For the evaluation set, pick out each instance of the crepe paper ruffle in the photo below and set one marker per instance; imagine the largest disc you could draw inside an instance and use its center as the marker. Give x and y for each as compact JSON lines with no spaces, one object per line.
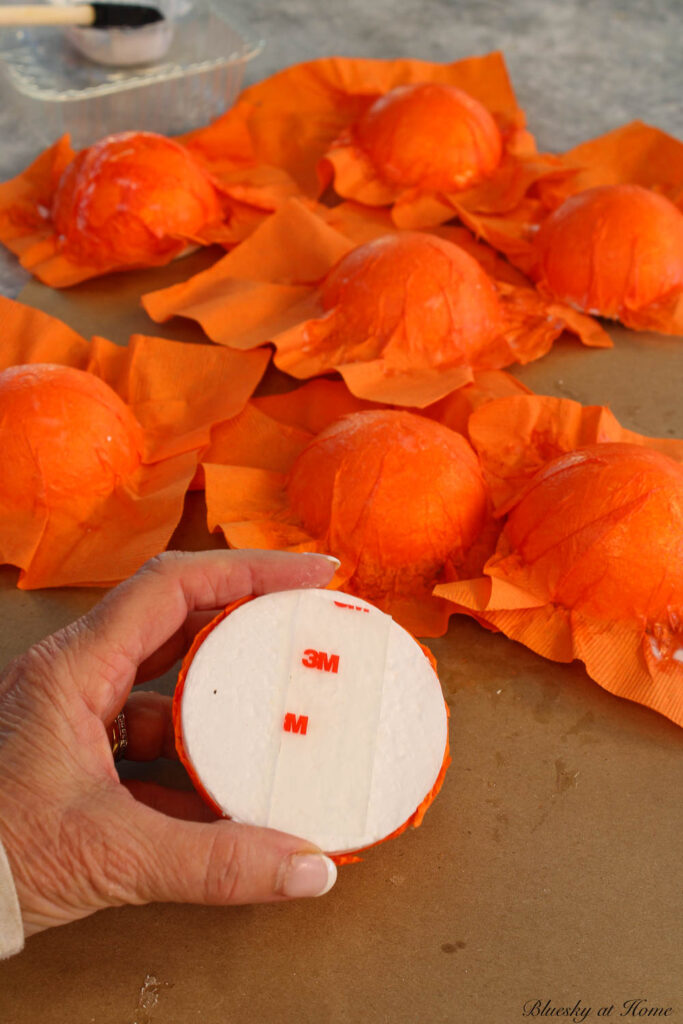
{"x":311,"y":408}
{"x":68,"y":514}
{"x":249,"y":440}
{"x":633,"y":154}
{"x":431,"y":317}
{"x":179,"y":392}
{"x":31,"y":336}
{"x":131,"y":200}
{"x":255,"y":188}
{"x":515,"y":436}
{"x":414,"y":821}
{"x":284,"y":492}
{"x":589,"y":565}
{"x":255,"y":290}
{"x":455,"y":410}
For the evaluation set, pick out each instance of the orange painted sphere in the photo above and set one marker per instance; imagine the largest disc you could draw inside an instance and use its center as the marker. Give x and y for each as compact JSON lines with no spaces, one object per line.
{"x":611,"y":249}
{"x":414,"y":291}
{"x":64,"y":435}
{"x":395,"y":494}
{"x":430,"y":136}
{"x":601,"y":529}
{"x":132,"y":198}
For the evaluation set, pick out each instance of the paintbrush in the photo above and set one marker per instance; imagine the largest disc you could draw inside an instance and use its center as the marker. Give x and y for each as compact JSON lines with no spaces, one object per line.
{"x":92,"y":15}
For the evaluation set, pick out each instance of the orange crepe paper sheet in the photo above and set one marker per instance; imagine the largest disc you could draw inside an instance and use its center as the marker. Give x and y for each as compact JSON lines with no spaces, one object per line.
{"x":298,"y":118}
{"x":587,"y":566}
{"x":250,"y":440}
{"x":64,"y":231}
{"x":288,"y":284}
{"x":635,"y":154}
{"x":516,"y":435}
{"x":268,"y":476}
{"x":57,"y":527}
{"x":414,"y":821}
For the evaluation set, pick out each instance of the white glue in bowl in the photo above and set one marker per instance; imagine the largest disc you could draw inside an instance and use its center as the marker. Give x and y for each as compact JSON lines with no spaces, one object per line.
{"x":312,"y":712}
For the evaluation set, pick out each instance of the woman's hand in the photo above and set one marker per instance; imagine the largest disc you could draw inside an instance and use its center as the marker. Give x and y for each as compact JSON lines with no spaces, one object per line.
{"x":77,"y":838}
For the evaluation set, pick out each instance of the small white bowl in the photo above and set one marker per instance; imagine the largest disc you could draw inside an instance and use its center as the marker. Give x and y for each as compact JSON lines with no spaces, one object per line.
{"x":123,"y":47}
{"x":127,"y":47}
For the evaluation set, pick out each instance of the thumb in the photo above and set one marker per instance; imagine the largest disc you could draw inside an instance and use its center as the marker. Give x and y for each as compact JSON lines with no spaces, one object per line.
{"x":223,"y":863}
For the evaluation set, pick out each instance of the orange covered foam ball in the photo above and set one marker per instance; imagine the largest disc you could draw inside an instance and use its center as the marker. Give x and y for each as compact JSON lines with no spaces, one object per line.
{"x":611,"y":250}
{"x":600,"y":529}
{"x":63,"y":434}
{"x":413,"y":291}
{"x":431,"y":136}
{"x":131,"y":198}
{"x":396,"y":495}
{"x":589,"y":565}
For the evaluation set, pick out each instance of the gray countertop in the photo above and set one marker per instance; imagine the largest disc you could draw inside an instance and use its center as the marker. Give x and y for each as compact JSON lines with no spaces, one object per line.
{"x":579,"y":67}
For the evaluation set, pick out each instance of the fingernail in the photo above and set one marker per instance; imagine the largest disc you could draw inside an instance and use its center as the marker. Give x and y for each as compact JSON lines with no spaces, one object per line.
{"x":306,"y":874}
{"x":330,"y":558}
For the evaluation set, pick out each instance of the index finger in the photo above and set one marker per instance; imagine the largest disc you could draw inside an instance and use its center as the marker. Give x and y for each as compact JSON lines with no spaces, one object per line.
{"x":106,"y":646}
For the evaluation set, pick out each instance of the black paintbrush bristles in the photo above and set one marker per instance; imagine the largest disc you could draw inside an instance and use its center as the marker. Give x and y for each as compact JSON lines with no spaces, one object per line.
{"x":111,"y":15}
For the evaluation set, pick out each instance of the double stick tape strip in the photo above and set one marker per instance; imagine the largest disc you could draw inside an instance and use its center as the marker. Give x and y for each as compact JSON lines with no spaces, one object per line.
{"x":333,"y":691}
{"x":313,"y":712}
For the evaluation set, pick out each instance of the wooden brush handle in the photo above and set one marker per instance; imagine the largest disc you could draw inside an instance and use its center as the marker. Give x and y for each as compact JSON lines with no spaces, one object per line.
{"x":47,"y":14}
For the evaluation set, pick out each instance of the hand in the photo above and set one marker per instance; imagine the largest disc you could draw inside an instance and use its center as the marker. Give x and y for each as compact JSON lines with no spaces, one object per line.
{"x":77,"y":838}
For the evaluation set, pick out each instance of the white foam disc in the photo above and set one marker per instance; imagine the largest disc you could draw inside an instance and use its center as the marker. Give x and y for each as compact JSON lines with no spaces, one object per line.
{"x":313,"y":712}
